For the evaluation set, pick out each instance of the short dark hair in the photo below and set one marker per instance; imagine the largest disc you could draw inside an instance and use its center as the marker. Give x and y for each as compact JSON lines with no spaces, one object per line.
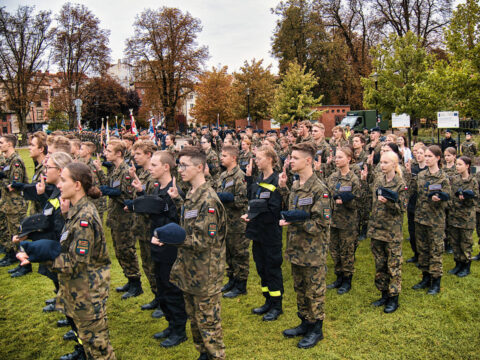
{"x":306,"y":148}
{"x":195,"y":153}
{"x":231,"y":150}
{"x":12,"y":139}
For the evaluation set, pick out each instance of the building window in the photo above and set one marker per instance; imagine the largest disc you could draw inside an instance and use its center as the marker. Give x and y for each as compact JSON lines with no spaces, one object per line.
{"x":39,"y":115}
{"x":191,"y":106}
{"x":338,"y":110}
{"x":343,"y":110}
{"x":4,"y":130}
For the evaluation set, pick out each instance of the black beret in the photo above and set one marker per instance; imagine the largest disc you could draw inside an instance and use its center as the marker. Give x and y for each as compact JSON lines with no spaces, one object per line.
{"x":225,"y":197}
{"x":295,"y":215}
{"x":41,"y":250}
{"x":171,"y":233}
{"x":257,"y":207}
{"x":387,"y":194}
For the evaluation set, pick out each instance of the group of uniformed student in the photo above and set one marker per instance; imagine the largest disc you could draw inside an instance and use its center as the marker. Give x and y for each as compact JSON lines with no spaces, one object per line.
{"x":195,"y":210}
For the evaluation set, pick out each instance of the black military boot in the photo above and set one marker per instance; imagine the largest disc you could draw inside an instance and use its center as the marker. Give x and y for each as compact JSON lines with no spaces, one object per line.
{"x":15,"y":269}
{"x":275,"y":309}
{"x":392,"y":305}
{"x":158,"y":313}
{"x":424,"y":283}
{"x":49,"y":308}
{"x":164,"y":333}
{"x":337,"y":283}
{"x":9,"y":259}
{"x":346,"y":285}
{"x":176,"y":337}
{"x":24,"y":270}
{"x":50,"y":301}
{"x":229,"y":285}
{"x":465,"y":269}
{"x":70,"y":335}
{"x":264,"y":308}
{"x":135,"y":289}
{"x":435,"y":286}
{"x":297,"y":331}
{"x":203,"y":356}
{"x":63,"y":323}
{"x":123,"y":288}
{"x":413,"y":259}
{"x":313,"y":336}
{"x":363,"y":233}
{"x":240,"y":288}
{"x":448,"y":248}
{"x":2,"y":249}
{"x":77,"y":354}
{"x":152,"y":305}
{"x":476,"y":258}
{"x":457,"y":268}
{"x":382,"y":300}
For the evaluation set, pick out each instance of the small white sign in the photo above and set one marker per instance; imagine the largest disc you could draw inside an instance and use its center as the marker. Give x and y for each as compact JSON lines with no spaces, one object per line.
{"x":448,"y":119}
{"x":78,"y":102}
{"x":400,"y":121}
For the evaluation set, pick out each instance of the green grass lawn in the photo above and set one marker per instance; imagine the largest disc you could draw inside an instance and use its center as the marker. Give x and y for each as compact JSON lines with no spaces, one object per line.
{"x":424,"y":327}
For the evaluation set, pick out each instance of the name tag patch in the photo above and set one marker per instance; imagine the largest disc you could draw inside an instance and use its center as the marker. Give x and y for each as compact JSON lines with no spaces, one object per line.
{"x":116,"y":183}
{"x":64,"y":236}
{"x":6,"y":168}
{"x":191,"y":214}
{"x":212,"y":229}
{"x":228,"y":184}
{"x":435,"y":187}
{"x":82,"y":247}
{"x":305,"y":201}
{"x":48,"y":212}
{"x":345,"y":188}
{"x":265,"y":195}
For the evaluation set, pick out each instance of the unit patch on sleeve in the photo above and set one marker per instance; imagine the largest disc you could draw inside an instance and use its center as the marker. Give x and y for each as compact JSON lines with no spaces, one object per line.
{"x":82,"y":247}
{"x":326,"y":213}
{"x":212,"y":229}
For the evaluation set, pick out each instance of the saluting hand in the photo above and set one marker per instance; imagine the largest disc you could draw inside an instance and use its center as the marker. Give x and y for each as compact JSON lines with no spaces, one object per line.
{"x":248,"y":171}
{"x":173,"y":191}
{"x":364,"y":172}
{"x":282,"y":179}
{"x":40,"y":186}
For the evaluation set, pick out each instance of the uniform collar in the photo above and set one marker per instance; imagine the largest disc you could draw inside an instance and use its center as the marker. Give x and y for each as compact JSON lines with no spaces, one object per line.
{"x":233,"y":171}
{"x":198,"y":193}
{"x":308,"y":184}
{"x":76,"y":208}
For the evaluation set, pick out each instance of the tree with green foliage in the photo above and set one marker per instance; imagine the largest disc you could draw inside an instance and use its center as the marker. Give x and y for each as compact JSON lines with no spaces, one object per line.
{"x":400,"y":63}
{"x":254,"y":83}
{"x":294,"y":98}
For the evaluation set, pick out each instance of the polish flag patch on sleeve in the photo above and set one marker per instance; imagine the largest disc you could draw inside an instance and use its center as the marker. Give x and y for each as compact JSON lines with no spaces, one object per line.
{"x":211,"y":210}
{"x":83,"y":223}
{"x":325,"y":196}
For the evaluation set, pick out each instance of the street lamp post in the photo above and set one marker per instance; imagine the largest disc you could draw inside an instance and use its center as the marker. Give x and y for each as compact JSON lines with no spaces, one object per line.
{"x":32,"y":105}
{"x":375,"y":78}
{"x":248,"y":106}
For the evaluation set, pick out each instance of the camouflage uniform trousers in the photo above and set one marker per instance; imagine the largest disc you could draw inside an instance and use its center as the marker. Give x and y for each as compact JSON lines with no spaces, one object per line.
{"x":310,"y":286}
{"x":342,"y":249}
{"x":205,"y":322}
{"x":237,"y":256}
{"x":124,"y":245}
{"x":3,"y":230}
{"x":478,"y":226}
{"x":430,"y":248}
{"x":364,"y":209}
{"x":13,"y":223}
{"x":462,"y":243}
{"x":94,"y":336}
{"x":388,"y":265}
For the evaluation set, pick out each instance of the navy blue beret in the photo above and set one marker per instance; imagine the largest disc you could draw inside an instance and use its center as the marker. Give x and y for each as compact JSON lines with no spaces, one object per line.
{"x":225,"y":197}
{"x":171,"y":234}
{"x":41,"y":250}
{"x":295,"y":215}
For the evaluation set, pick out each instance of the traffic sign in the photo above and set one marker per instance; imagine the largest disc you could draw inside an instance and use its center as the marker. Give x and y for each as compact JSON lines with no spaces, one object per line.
{"x":448,"y":119}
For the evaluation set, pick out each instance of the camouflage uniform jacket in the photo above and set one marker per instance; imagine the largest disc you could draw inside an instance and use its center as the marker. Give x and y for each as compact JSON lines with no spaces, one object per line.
{"x":119,"y":179}
{"x":35,"y":206}
{"x":427,"y":211}
{"x":477,"y":177}
{"x":84,"y":264}
{"x":99,"y":178}
{"x":244,"y":159}
{"x":234,"y":182}
{"x":450,"y":172}
{"x":387,"y":218}
{"x":213,"y":163}
{"x":200,"y":263}
{"x":304,"y":240}
{"x":302,"y":139}
{"x":217,"y":144}
{"x":461,"y":213}
{"x":128,"y":157}
{"x":323,"y":149}
{"x":12,"y":202}
{"x":344,"y":216}
{"x":141,"y":222}
{"x":469,"y":148}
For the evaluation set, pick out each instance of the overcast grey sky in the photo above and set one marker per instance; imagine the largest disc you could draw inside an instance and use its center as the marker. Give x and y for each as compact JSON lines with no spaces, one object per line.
{"x":234,"y":31}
